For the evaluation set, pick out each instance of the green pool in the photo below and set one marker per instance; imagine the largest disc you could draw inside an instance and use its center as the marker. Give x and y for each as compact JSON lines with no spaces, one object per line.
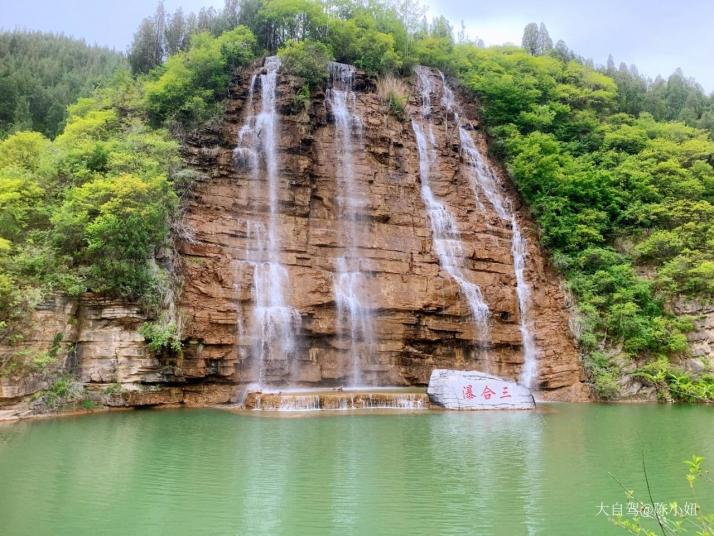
{"x":214,"y":472}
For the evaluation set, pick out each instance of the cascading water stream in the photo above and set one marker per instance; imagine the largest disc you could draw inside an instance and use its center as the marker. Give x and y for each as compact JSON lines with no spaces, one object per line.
{"x":484,"y":180}
{"x":274,"y":324}
{"x":445,"y":233}
{"x":354,"y":317}
{"x":337,"y":400}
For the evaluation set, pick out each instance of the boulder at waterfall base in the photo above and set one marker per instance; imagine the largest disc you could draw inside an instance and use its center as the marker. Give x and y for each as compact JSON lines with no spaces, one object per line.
{"x":471,"y":389}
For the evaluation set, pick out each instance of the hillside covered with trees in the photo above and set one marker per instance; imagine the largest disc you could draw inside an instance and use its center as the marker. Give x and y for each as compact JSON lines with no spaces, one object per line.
{"x":616,"y":169}
{"x":41,"y":74}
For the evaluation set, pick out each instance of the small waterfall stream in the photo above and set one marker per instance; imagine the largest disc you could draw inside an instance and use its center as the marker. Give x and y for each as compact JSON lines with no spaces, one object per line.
{"x":338,"y":400}
{"x":445,"y":233}
{"x":354,"y":319}
{"x":274,"y":324}
{"x":484,"y":180}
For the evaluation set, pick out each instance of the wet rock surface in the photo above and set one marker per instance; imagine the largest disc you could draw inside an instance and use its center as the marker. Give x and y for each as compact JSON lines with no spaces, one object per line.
{"x":421,"y":320}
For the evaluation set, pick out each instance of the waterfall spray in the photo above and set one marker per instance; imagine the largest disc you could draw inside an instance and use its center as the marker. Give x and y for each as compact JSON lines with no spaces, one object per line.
{"x":354,"y":317}
{"x":445,"y":233}
{"x":274,"y":323}
{"x":483,"y":180}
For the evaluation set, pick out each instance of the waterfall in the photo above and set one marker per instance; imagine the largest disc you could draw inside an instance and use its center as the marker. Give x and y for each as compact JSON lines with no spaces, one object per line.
{"x":354,"y":317}
{"x":445,"y":233}
{"x":484,"y":180}
{"x":337,"y":400}
{"x":274,"y":323}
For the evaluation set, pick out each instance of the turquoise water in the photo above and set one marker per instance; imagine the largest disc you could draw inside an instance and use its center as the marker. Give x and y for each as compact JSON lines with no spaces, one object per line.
{"x":215,"y":472}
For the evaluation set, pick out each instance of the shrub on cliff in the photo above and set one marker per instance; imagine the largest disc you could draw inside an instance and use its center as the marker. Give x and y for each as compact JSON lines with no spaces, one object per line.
{"x":188,"y":86}
{"x":87,"y":211}
{"x":307,"y":59}
{"x":393,"y":93}
{"x":113,"y":225}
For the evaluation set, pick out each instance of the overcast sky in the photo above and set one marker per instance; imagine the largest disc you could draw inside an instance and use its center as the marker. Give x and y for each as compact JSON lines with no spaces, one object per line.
{"x":656,"y":35}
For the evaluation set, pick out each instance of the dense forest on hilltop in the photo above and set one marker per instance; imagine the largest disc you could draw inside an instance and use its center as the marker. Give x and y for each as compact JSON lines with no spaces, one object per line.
{"x":41,"y":74}
{"x":616,"y":168}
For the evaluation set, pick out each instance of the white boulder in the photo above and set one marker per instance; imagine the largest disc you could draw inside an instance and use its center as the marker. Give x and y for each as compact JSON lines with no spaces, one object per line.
{"x":471,"y":389}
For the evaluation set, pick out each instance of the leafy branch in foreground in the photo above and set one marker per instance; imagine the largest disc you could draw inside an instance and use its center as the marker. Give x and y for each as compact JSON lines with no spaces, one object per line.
{"x":671,"y":518}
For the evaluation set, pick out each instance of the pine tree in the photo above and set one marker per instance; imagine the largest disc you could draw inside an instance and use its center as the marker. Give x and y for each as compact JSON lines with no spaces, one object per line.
{"x":22,"y":118}
{"x":176,"y":36}
{"x":231,"y":14}
{"x":148,"y":47}
{"x":461,"y":37}
{"x":610,"y":65}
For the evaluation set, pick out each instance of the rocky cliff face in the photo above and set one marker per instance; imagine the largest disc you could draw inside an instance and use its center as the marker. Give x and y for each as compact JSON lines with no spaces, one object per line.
{"x":96,"y":342}
{"x":701,"y":338}
{"x":419,"y":317}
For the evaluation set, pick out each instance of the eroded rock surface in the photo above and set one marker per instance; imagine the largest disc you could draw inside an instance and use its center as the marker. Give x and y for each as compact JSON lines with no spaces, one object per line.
{"x":421,"y":320}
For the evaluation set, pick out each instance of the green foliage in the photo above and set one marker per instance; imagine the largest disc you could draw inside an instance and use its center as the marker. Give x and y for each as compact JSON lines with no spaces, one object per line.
{"x":116,"y":222}
{"x":615,"y":196}
{"x":59,"y":393}
{"x":375,"y":52}
{"x":161,"y":336}
{"x":113,"y":389}
{"x":307,"y":59}
{"x":672,"y":517}
{"x":187,"y":88}
{"x":41,"y":74}
{"x":396,"y":105}
{"x":64,"y":393}
{"x":89,"y":210}
{"x":675,"y":99}
{"x":604,"y":375}
{"x":301,"y":99}
{"x":42,"y":361}
{"x":675,"y":384}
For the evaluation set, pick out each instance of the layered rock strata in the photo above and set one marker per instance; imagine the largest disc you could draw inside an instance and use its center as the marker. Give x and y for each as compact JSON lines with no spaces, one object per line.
{"x":420,"y":317}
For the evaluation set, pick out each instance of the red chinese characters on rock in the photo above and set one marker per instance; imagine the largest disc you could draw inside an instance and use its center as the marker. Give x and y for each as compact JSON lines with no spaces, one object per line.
{"x":487,"y":393}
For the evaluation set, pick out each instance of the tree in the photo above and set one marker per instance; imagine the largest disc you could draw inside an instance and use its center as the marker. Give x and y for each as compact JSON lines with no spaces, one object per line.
{"x":231,"y":14}
{"x":536,"y":40}
{"x":562,"y":51}
{"x":441,"y":28}
{"x":176,"y":35}
{"x":307,"y":59}
{"x":462,"y":37}
{"x":22,"y":118}
{"x":41,"y":74}
{"x":545,"y":43}
{"x":610,"y":65}
{"x":192,"y":83}
{"x":530,"y":41}
{"x":147,"y":50}
{"x":676,"y":94}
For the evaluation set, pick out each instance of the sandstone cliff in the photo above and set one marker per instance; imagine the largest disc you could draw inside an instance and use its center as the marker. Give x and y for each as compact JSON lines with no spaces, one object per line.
{"x":422,"y":320}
